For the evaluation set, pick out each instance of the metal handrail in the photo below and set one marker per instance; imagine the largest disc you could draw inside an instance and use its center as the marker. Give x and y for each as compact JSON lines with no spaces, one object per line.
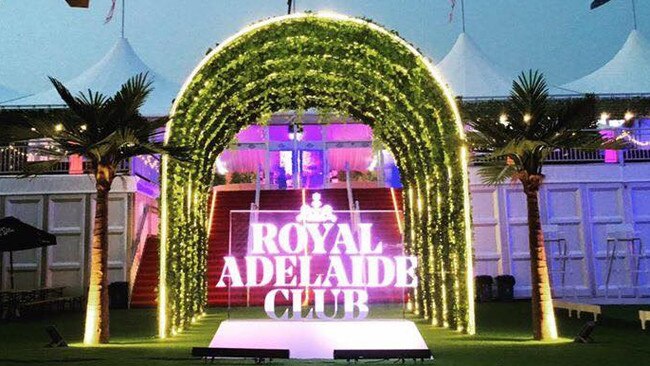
{"x":569,"y":95}
{"x":352,"y":205}
{"x":137,"y":246}
{"x":253,"y":218}
{"x":258,"y":186}
{"x":14,"y":159}
{"x":348,"y":186}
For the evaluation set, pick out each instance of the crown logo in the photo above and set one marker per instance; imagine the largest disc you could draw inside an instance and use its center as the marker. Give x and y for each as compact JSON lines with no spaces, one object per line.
{"x":316,"y":212}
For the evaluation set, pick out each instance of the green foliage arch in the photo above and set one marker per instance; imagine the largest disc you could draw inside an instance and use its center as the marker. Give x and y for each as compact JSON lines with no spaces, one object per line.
{"x":334,"y":63}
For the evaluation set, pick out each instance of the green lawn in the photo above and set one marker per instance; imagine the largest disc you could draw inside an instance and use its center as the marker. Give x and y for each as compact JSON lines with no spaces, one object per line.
{"x":503,"y":339}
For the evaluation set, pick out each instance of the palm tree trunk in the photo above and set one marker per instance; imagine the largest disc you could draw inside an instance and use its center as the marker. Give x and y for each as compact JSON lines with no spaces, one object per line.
{"x":97,"y":320}
{"x":544,"y":327}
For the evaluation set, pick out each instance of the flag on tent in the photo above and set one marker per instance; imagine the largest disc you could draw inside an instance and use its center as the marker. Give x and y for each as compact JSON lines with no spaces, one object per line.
{"x":597,"y":3}
{"x":110,"y":14}
{"x":451,"y":12}
{"x":78,"y":3}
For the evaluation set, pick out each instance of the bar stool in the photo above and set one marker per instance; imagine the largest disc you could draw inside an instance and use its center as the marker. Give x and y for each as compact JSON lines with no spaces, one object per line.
{"x":623,"y":243}
{"x":558,"y":255}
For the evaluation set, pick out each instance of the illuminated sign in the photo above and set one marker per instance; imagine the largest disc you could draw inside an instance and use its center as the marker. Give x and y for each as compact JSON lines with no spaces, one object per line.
{"x":316,"y":255}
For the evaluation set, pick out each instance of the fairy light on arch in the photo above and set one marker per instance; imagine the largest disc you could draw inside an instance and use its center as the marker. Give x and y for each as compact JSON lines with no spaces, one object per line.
{"x":462,"y":154}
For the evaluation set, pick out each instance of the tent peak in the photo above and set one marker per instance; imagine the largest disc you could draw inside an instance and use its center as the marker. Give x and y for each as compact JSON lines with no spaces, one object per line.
{"x":628,"y":72}
{"x":469,"y":71}
{"x":119,"y":64}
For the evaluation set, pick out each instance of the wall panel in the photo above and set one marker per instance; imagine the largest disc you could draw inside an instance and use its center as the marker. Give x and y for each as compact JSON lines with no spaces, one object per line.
{"x":27,"y":263}
{"x":65,"y":261}
{"x":581,"y":200}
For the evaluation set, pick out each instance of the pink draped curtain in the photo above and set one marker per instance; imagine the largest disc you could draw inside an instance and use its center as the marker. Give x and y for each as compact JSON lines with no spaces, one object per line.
{"x":250,"y":160}
{"x":348,"y":132}
{"x":359,"y":158}
{"x":252,"y":133}
{"x":242,"y":161}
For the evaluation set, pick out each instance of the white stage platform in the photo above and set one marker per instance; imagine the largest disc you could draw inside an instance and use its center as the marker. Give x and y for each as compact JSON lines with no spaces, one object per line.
{"x":313,"y":339}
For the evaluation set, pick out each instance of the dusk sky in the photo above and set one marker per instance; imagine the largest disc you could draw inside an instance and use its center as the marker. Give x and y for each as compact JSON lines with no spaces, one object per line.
{"x":563,"y":38}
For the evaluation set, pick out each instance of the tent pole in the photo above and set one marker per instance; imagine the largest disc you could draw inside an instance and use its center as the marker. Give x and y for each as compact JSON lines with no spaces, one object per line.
{"x":11,"y":268}
{"x":462,"y":12}
{"x":122,"y":18}
{"x":634,"y":12}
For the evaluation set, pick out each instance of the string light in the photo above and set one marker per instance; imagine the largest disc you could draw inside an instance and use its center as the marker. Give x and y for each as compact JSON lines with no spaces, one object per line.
{"x":221,"y":166}
{"x":150,"y":161}
{"x":373,"y":163}
{"x":179,"y":299}
{"x":527,"y":117}
{"x":58,"y":127}
{"x":12,"y":149}
{"x":629,"y":138}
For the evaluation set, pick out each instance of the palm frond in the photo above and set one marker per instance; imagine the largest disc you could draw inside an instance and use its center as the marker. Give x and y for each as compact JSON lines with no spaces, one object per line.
{"x":102,"y":129}
{"x":127,"y":102}
{"x":534,"y":130}
{"x":65,"y":94}
{"x":496,"y":172}
{"x":153,"y":148}
{"x":157,"y":126}
{"x":490,"y":134}
{"x":528,"y":102}
{"x":87,"y":107}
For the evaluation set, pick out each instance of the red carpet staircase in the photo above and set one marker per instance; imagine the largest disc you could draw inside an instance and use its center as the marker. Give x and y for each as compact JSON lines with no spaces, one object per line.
{"x":145,"y":288}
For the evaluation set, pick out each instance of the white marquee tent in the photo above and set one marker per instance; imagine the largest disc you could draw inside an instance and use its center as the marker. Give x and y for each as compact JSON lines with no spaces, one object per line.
{"x":470,"y":73}
{"x":628,"y":72}
{"x":106,"y":77}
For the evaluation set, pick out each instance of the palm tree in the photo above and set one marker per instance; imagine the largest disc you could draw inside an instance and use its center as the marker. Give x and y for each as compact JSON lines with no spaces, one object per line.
{"x":515,"y":146}
{"x":105,"y":131}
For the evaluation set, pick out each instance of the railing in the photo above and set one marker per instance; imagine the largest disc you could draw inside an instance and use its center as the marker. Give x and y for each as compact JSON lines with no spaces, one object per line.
{"x":636,"y":155}
{"x":637,"y":151}
{"x":253,"y":219}
{"x":353,"y":206}
{"x":577,"y":156}
{"x":139,"y":241}
{"x":258,"y":186}
{"x":568,"y":95}
{"x":348,"y":187}
{"x":14,"y":159}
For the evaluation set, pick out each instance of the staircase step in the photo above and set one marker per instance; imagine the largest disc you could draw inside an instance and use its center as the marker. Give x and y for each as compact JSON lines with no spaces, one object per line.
{"x":145,"y":287}
{"x":369,"y":199}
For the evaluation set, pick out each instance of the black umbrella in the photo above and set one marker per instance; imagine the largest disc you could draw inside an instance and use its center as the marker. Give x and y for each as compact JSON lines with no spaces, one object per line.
{"x":17,"y":235}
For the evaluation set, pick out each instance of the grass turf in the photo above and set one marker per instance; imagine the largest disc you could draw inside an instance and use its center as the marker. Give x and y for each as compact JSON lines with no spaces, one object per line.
{"x":503,"y":339}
